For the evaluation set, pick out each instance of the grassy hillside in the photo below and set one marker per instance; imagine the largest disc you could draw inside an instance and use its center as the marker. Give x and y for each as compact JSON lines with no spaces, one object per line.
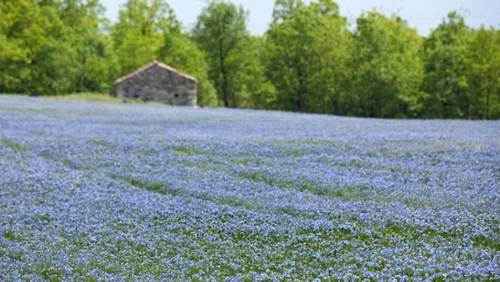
{"x":101,"y":191}
{"x":97,"y":97}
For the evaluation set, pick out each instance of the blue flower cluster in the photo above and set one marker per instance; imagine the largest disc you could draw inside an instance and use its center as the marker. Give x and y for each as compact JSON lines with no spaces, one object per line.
{"x":93,"y":191}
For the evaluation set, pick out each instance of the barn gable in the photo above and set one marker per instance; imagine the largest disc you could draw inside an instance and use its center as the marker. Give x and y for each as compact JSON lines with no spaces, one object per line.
{"x":159,"y":82}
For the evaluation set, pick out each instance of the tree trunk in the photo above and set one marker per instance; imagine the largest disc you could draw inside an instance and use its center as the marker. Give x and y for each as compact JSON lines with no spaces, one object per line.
{"x":225,"y":87}
{"x":223,"y":71}
{"x":300,"y":91}
{"x":488,"y":104}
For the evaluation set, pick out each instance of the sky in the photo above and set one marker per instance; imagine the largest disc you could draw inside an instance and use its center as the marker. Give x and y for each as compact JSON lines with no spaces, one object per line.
{"x":424,"y":15}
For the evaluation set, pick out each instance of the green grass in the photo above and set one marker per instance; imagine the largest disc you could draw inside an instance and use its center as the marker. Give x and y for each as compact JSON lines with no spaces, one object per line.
{"x":187,"y":150}
{"x":13,"y":145}
{"x":9,"y":235}
{"x":96,"y":97}
{"x":165,"y":189}
{"x":486,"y":243}
{"x":48,"y":271}
{"x":348,"y":193}
{"x":153,"y":186}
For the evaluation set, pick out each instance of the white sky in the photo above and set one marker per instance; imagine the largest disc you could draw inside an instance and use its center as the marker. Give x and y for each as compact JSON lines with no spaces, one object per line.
{"x":422,"y":14}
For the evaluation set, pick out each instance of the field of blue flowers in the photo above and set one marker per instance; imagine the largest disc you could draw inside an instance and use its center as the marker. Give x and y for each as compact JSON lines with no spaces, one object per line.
{"x":97,"y":191}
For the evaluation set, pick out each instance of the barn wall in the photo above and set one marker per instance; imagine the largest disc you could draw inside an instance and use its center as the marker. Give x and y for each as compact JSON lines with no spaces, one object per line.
{"x":159,"y":84}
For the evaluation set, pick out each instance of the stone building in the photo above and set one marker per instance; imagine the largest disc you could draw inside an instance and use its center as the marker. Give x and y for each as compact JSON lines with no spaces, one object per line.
{"x":159,"y":82}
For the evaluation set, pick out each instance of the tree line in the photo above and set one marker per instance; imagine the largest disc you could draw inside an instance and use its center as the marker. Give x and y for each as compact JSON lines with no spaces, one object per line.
{"x":310,"y":59}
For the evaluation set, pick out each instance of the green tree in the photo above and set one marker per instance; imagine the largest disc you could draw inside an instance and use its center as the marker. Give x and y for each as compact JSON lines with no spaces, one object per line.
{"x":446,"y":68}
{"x":387,"y":68}
{"x":52,"y":47}
{"x":484,"y":74}
{"x":221,"y":33}
{"x":139,"y":34}
{"x":256,"y":90}
{"x":19,"y":18}
{"x":94,"y":62}
{"x":284,"y":8}
{"x":307,"y":55}
{"x":36,"y":56}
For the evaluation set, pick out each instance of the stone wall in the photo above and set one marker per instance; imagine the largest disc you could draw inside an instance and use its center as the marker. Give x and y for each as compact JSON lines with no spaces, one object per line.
{"x":156,"y":83}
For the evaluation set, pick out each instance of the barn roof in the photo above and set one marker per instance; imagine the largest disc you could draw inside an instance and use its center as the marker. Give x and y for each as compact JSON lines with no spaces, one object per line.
{"x":153,"y":64}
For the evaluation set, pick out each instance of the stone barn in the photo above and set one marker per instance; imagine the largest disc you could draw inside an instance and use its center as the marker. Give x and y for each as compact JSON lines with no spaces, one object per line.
{"x":159,"y":82}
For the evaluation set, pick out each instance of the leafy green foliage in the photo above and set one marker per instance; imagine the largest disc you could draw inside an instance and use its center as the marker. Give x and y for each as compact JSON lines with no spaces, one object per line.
{"x":138,"y":35}
{"x":446,"y":69}
{"x":484,"y":74}
{"x":52,"y":47}
{"x":307,"y":56}
{"x":284,"y":8}
{"x":221,"y":33}
{"x":253,"y":88}
{"x":387,"y":69}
